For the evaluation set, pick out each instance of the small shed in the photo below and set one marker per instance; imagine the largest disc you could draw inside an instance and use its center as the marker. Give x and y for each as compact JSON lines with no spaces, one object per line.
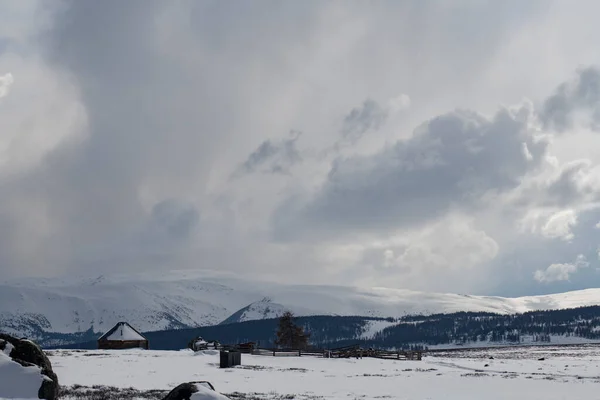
{"x":122,"y":336}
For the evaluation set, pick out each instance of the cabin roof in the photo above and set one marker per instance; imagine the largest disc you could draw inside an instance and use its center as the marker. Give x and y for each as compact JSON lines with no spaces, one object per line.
{"x":121,"y":332}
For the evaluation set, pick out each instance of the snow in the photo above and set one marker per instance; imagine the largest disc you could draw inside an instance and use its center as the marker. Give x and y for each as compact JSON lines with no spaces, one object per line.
{"x":526,"y":340}
{"x":206,"y":394}
{"x":18,"y":382}
{"x":124,"y":332}
{"x":373,"y":327}
{"x":568,"y":372}
{"x":8,"y":348}
{"x":264,"y":309}
{"x":199,"y":298}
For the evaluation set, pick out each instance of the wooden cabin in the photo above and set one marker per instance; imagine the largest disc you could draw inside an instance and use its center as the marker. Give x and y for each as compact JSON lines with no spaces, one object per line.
{"x":122,"y":336}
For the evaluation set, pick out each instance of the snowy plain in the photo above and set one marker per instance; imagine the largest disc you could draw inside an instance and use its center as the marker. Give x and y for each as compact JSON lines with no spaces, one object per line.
{"x":542,"y":372}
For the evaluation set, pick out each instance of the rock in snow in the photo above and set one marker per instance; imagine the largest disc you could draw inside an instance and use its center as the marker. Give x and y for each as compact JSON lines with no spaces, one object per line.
{"x":25,"y":371}
{"x":194,"y":391}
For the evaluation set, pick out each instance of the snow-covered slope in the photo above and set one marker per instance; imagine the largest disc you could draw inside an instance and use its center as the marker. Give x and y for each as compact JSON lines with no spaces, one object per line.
{"x":262,"y":309}
{"x":195,"y":298}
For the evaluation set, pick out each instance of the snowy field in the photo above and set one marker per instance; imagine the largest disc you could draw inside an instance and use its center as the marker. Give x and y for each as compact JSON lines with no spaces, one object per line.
{"x":566,"y":372}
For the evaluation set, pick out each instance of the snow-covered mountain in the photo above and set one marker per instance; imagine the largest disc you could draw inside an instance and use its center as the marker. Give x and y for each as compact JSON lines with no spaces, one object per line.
{"x":193,"y":298}
{"x":262,"y":309}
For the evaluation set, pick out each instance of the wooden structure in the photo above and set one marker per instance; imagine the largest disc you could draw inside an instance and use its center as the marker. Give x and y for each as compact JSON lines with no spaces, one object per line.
{"x":198,"y":344}
{"x":122,"y":336}
{"x":358,"y":352}
{"x":230,"y":358}
{"x":247,"y":347}
{"x":343,"y":352}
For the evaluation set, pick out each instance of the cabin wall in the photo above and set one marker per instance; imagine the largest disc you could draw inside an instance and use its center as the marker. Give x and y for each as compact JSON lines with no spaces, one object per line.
{"x":124,"y":344}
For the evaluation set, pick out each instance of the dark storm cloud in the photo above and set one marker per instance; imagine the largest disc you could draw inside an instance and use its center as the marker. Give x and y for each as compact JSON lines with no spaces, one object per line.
{"x":450,"y":162}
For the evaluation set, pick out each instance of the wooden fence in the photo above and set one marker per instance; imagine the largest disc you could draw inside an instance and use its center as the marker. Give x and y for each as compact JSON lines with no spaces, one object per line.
{"x":358,"y":352}
{"x":343,"y":352}
{"x":288,"y":353}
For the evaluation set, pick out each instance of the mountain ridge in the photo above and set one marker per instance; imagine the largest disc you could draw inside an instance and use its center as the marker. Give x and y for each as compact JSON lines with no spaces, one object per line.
{"x":192,"y":299}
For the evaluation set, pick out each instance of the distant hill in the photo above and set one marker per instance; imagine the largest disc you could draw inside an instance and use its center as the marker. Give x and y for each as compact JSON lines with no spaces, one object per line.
{"x":475,"y":329}
{"x":77,"y":308}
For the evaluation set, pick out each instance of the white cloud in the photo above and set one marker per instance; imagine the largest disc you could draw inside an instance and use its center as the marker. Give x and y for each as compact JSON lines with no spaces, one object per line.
{"x":452,"y":244}
{"x":399,"y":103}
{"x":559,"y":225}
{"x":555,"y":272}
{"x":560,"y":272}
{"x":6,"y":81}
{"x":452,"y":250}
{"x":41,"y":113}
{"x":527,"y":153}
{"x":388,"y":258}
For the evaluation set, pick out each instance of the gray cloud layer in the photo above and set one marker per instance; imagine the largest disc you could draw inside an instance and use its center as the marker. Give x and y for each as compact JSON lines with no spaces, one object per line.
{"x":450,"y":162}
{"x":122,"y":124}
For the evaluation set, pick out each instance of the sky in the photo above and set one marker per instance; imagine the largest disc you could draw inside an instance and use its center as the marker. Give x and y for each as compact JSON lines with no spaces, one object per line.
{"x":429,"y":145}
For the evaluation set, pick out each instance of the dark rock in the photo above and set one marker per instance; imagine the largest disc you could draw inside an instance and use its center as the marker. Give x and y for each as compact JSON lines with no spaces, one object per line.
{"x":185,"y":390}
{"x":491,"y":357}
{"x":182,"y":392}
{"x":27,"y":353}
{"x":541,"y":359}
{"x":486,"y":365}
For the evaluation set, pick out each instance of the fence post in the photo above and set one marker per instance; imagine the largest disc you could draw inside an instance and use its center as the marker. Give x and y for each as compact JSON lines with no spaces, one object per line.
{"x":299,"y":353}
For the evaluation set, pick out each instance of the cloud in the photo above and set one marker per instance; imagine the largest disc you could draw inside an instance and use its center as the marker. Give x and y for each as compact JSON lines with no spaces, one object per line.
{"x":370,"y":116}
{"x":581,"y":95}
{"x":117,"y":146}
{"x":450,"y":162}
{"x":6,"y":81}
{"x":576,"y":180}
{"x":273,"y":156}
{"x":174,"y":218}
{"x":560,"y":272}
{"x":452,"y":249}
{"x":452,"y":244}
{"x":559,"y":225}
{"x":399,"y":103}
